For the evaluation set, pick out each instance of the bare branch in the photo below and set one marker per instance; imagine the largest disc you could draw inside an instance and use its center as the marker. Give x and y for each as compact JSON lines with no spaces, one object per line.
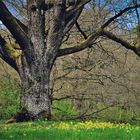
{"x":73,"y":14}
{"x":83,"y":45}
{"x":98,"y":111}
{"x":17,"y":29}
{"x":77,"y":4}
{"x":84,"y":114}
{"x":80,"y":30}
{"x":119,"y":14}
{"x":71,"y":18}
{"x":62,"y":98}
{"x":5,"y":55}
{"x":11,"y":23}
{"x":119,"y":40}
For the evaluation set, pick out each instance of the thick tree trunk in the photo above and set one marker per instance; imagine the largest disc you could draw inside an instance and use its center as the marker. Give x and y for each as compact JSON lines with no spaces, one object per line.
{"x":36,"y":95}
{"x":36,"y":87}
{"x":35,"y":74}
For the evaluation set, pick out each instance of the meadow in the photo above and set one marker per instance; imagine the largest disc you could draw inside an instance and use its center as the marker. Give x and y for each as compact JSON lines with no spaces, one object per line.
{"x":71,"y":130}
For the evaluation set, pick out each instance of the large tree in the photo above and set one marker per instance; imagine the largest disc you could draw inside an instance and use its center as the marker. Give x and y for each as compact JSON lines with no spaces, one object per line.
{"x":40,"y":41}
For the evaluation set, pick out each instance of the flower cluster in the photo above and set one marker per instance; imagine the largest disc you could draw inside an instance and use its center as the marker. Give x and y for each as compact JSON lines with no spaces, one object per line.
{"x":93,"y":125}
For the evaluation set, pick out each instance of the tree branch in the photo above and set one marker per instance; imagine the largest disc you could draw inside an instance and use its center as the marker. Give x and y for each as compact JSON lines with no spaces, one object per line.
{"x":89,"y":41}
{"x":84,"y":114}
{"x":73,"y":14}
{"x":62,"y":98}
{"x":11,"y":23}
{"x":76,"y":4}
{"x":83,"y":45}
{"x":119,"y":14}
{"x":5,"y":55}
{"x":71,"y":18}
{"x":119,"y":40}
{"x":18,"y":30}
{"x":96,"y":112}
{"x":80,"y":30}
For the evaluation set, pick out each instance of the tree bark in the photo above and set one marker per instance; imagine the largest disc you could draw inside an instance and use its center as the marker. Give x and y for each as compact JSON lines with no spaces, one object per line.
{"x":36,"y":92}
{"x":35,"y":76}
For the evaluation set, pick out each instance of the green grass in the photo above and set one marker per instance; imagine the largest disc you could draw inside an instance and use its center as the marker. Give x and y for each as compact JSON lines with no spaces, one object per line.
{"x":69,"y":131}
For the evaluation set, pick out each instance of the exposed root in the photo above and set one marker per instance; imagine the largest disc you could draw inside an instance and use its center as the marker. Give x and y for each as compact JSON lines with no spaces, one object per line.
{"x":22,"y":116}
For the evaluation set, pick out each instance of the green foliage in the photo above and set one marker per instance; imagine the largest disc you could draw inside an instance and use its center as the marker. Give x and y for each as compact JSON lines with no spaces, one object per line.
{"x":9,"y":98}
{"x":114,"y":114}
{"x":134,"y":31}
{"x":63,"y":108}
{"x":10,"y":102}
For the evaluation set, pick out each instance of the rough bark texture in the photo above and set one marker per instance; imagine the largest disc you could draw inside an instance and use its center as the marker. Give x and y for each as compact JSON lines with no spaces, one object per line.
{"x":35,"y":75}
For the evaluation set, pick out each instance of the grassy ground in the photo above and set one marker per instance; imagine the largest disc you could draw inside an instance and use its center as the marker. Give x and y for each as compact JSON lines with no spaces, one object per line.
{"x":69,"y":131}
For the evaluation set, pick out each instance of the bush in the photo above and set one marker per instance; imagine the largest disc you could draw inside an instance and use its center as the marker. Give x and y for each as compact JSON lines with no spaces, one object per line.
{"x":9,"y":98}
{"x":63,"y":109}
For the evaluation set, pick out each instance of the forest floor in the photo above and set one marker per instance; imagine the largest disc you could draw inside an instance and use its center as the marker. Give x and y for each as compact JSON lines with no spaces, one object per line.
{"x":87,"y":130}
